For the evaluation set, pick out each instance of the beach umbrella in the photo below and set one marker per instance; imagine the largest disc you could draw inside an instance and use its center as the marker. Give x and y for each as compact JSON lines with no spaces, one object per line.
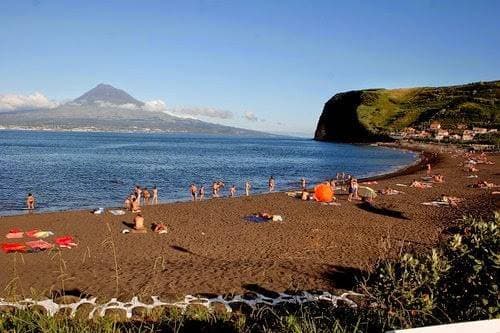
{"x":367,"y":192}
{"x":323,"y":193}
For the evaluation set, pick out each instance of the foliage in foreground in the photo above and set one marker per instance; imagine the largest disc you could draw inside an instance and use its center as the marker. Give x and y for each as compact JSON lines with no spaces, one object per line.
{"x":458,"y":281}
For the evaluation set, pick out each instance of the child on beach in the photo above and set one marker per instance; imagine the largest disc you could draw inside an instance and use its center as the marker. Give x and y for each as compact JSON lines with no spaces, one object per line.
{"x":155,"y":195}
{"x":353,"y":190}
{"x":271,"y":184}
{"x":201,"y":193}
{"x":194,"y":191}
{"x":247,"y":188}
{"x":232,"y":191}
{"x":30,"y":201}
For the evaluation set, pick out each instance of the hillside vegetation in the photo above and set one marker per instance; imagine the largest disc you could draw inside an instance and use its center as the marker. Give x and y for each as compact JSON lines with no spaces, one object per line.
{"x":380,"y":111}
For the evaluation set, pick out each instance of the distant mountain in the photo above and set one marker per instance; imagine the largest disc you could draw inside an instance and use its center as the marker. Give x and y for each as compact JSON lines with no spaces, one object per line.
{"x":107,"y":94}
{"x":105,"y":108}
{"x":369,"y":115}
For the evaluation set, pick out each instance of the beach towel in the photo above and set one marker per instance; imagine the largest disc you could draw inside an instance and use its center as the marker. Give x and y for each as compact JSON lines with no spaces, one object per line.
{"x":65,"y":242}
{"x":39,"y":245}
{"x":42,"y":234}
{"x":402,"y":185}
{"x":31,"y":233}
{"x":330,"y":204}
{"x":13,"y":247}
{"x":15,"y":233}
{"x":117,"y":212}
{"x":472,"y":176}
{"x":98,"y":211}
{"x":436,"y":203}
{"x":256,"y":219}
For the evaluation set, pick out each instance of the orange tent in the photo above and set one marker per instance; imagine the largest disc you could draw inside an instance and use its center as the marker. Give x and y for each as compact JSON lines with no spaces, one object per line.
{"x":323,"y":193}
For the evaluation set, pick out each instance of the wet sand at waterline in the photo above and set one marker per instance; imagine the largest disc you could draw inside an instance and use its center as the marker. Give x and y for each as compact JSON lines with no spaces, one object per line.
{"x":211,"y":249}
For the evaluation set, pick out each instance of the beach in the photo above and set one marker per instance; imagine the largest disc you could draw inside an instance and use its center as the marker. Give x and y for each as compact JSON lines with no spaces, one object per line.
{"x":211,"y":249}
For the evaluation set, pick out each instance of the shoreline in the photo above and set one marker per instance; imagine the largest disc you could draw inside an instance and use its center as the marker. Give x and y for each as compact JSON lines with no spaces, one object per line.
{"x":211,"y":249}
{"x":420,"y":162}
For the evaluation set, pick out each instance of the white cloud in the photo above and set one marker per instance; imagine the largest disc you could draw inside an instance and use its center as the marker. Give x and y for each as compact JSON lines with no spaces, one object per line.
{"x":248,"y":115}
{"x":202,"y":112}
{"x":14,"y":102}
{"x":155,"y":105}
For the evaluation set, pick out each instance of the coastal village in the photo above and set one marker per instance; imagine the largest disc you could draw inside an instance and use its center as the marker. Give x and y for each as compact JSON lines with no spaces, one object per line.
{"x":436,"y":132}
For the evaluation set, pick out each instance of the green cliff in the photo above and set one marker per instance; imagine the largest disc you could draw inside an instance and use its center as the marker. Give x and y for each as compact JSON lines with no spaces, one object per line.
{"x":370,"y":115}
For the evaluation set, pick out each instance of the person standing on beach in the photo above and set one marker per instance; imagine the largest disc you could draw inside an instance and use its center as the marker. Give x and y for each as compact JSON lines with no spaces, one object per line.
{"x":30,"y":201}
{"x":302,"y":183}
{"x":232,"y":191}
{"x":429,"y":169}
{"x":247,"y":188}
{"x":271,"y":184}
{"x":215,"y":190}
{"x":201,"y":193}
{"x":155,"y":195}
{"x":136,"y":208}
{"x":194,"y":191}
{"x":146,"y":195}
{"x":138,"y":192}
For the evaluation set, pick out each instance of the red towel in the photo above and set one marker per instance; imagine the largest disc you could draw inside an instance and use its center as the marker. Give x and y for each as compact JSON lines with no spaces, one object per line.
{"x":13,"y":247}
{"x":31,"y":233}
{"x":65,"y":241}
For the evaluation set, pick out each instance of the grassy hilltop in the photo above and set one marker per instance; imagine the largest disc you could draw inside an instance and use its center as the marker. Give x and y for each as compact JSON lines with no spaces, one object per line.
{"x":365,"y":115}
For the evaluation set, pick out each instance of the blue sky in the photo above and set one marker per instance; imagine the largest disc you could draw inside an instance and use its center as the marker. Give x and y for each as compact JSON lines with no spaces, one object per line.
{"x":279,"y":61}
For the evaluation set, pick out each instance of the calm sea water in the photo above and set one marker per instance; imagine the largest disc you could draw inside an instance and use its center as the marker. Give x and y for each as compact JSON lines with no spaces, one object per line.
{"x":68,"y":170}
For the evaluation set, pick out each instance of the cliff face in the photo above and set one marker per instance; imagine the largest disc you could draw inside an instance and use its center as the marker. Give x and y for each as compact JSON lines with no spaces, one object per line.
{"x":369,"y":115}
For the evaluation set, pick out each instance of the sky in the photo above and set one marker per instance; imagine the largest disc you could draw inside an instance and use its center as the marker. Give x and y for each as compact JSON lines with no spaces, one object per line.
{"x":266,"y":65}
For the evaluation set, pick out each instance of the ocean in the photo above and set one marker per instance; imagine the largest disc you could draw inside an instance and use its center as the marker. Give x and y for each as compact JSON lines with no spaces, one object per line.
{"x":86,"y":170}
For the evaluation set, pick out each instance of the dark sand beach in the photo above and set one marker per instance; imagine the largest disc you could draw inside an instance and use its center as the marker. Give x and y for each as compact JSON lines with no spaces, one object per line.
{"x":211,"y":249}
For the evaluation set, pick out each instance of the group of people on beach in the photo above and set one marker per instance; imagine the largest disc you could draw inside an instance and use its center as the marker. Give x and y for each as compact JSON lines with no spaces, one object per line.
{"x":198,"y":193}
{"x":140,"y":196}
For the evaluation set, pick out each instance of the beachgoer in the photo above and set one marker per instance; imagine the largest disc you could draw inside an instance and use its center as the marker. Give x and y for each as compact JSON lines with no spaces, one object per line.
{"x":429,"y":169}
{"x":127,"y":204}
{"x":201,"y":193}
{"x":146,"y":195}
{"x":248,"y":186}
{"x":438,"y":178}
{"x":138,"y":193}
{"x":139,"y":224}
{"x":136,"y":208}
{"x":215,"y":190}
{"x":302,"y":183}
{"x":417,"y":184}
{"x":194,"y":191}
{"x":30,"y":201}
{"x":305,"y":195}
{"x":160,"y":228}
{"x":271,"y":184}
{"x":353,"y":190}
{"x":155,"y":195}
{"x":232,"y":191}
{"x":453,"y":201}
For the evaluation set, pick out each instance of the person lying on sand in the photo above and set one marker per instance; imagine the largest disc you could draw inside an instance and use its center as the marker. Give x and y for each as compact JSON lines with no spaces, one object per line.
{"x":438,"y":178}
{"x":135,"y":205}
{"x":30,"y":201}
{"x":453,"y":201}
{"x":160,"y":228}
{"x":304,"y":195}
{"x":484,"y":184}
{"x":417,"y":184}
{"x":390,"y":191}
{"x":471,"y":168}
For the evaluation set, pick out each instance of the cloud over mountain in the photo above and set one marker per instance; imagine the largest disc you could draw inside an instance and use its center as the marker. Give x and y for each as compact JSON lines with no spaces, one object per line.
{"x":15,"y":102}
{"x":250,"y":116}
{"x":202,"y":112}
